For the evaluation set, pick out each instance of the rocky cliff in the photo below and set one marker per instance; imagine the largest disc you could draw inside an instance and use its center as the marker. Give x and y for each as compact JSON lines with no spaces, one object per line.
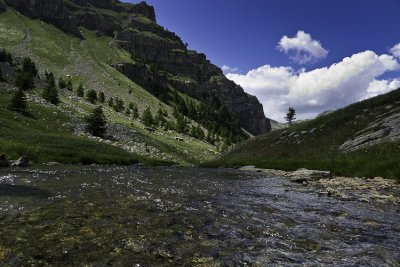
{"x":134,"y":28}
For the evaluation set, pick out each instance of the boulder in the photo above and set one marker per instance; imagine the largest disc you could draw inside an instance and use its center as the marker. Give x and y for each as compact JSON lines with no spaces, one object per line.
{"x":3,"y":161}
{"x":304,"y":175}
{"x":21,"y":162}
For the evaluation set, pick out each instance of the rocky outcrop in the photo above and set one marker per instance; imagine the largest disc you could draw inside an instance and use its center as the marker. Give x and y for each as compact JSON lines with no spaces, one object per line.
{"x":51,"y":11}
{"x":69,"y":15}
{"x":385,"y":128}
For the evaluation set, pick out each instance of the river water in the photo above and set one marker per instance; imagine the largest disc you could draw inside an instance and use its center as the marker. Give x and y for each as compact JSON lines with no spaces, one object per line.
{"x":175,"y":216}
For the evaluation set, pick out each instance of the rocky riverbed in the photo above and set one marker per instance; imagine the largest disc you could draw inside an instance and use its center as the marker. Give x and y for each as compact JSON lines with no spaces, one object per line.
{"x":175,"y":216}
{"x":345,"y":188}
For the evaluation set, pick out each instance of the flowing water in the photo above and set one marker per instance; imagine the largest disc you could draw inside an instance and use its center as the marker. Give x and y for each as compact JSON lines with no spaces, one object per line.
{"x":173,"y":216}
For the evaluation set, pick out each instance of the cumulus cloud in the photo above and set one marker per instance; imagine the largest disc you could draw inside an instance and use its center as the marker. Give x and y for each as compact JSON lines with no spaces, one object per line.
{"x":395,"y":50}
{"x":302,"y":48}
{"x":229,"y":69}
{"x":378,"y":87}
{"x":311,"y":92}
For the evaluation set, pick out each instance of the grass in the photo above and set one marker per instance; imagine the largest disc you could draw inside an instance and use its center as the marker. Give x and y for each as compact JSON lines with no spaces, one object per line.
{"x":44,"y":137}
{"x":320,"y":149}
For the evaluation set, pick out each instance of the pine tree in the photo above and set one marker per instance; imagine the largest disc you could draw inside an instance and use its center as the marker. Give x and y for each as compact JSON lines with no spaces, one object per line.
{"x":80,"y":91}
{"x":135,"y":113}
{"x":111,"y":102}
{"x":181,"y":124}
{"x":102,"y":97}
{"x":96,"y":122}
{"x":119,"y":105}
{"x":18,"y":101}
{"x":291,"y":115}
{"x":69,"y":86}
{"x":61,"y":83}
{"x":91,"y":96}
{"x":24,"y":81}
{"x":28,"y":66}
{"x":50,"y":92}
{"x":147,"y":117}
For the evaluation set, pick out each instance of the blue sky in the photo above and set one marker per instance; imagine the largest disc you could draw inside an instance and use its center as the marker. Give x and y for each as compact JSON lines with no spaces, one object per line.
{"x":248,"y":38}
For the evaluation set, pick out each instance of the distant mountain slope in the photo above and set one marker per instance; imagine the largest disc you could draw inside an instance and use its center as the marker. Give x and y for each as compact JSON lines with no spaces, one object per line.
{"x":160,"y":59}
{"x":362,"y":139}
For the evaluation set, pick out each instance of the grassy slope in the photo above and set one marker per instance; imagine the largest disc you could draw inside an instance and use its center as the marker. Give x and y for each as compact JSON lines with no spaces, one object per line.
{"x":319,"y":150}
{"x":88,"y":62}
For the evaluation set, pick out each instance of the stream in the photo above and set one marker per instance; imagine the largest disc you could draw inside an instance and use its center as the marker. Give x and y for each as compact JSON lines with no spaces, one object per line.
{"x":176,"y":216}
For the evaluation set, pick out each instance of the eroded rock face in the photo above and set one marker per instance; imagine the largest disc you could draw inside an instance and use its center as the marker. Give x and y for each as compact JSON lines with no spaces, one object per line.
{"x":69,"y":15}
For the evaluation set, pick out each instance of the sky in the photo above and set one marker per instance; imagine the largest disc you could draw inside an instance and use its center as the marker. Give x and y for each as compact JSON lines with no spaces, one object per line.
{"x":314,"y":55}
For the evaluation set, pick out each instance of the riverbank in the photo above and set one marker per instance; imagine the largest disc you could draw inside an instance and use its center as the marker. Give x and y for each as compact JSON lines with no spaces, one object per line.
{"x":323,"y":183}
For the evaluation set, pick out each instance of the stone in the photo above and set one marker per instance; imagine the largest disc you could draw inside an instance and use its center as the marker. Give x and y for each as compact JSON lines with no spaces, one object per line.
{"x":304,"y":175}
{"x":21,"y":162}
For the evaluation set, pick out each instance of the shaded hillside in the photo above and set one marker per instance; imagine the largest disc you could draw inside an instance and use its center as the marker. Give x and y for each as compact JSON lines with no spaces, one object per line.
{"x":159,"y":59}
{"x":362,"y":139}
{"x":87,"y":62}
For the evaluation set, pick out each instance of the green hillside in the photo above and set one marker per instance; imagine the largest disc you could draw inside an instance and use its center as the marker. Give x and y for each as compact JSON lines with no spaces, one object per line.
{"x":323,"y":143}
{"x":88,"y":62}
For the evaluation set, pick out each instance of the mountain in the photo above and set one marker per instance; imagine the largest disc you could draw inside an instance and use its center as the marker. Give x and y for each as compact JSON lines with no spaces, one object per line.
{"x":119,"y":50}
{"x":133,"y":28}
{"x":362,"y":140}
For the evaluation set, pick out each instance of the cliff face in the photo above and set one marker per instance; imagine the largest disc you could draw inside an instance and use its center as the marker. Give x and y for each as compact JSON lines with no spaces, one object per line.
{"x":135,"y":29}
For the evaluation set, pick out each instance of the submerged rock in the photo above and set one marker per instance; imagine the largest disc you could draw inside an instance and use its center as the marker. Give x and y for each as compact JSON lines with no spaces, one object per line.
{"x":21,"y":162}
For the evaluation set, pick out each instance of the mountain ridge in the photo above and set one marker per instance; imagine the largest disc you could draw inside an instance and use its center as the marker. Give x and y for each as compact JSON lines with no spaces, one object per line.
{"x":133,"y":28}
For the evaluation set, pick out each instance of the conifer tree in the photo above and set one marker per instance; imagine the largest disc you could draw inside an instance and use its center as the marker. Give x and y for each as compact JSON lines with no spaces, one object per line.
{"x":111,"y":102}
{"x":69,"y":86}
{"x":119,"y":105}
{"x":96,"y":122}
{"x":18,"y":101}
{"x":102,"y":97}
{"x":61,"y":83}
{"x":80,"y":91}
{"x":50,"y":92}
{"x":147,"y":117}
{"x":91,"y":96}
{"x":135,"y":113}
{"x":291,"y":115}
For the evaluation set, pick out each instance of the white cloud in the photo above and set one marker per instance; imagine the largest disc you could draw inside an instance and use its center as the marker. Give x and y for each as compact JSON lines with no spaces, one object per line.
{"x":395,"y":50}
{"x":229,"y":69}
{"x":378,"y":87}
{"x":312,"y":92}
{"x":302,"y":48}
